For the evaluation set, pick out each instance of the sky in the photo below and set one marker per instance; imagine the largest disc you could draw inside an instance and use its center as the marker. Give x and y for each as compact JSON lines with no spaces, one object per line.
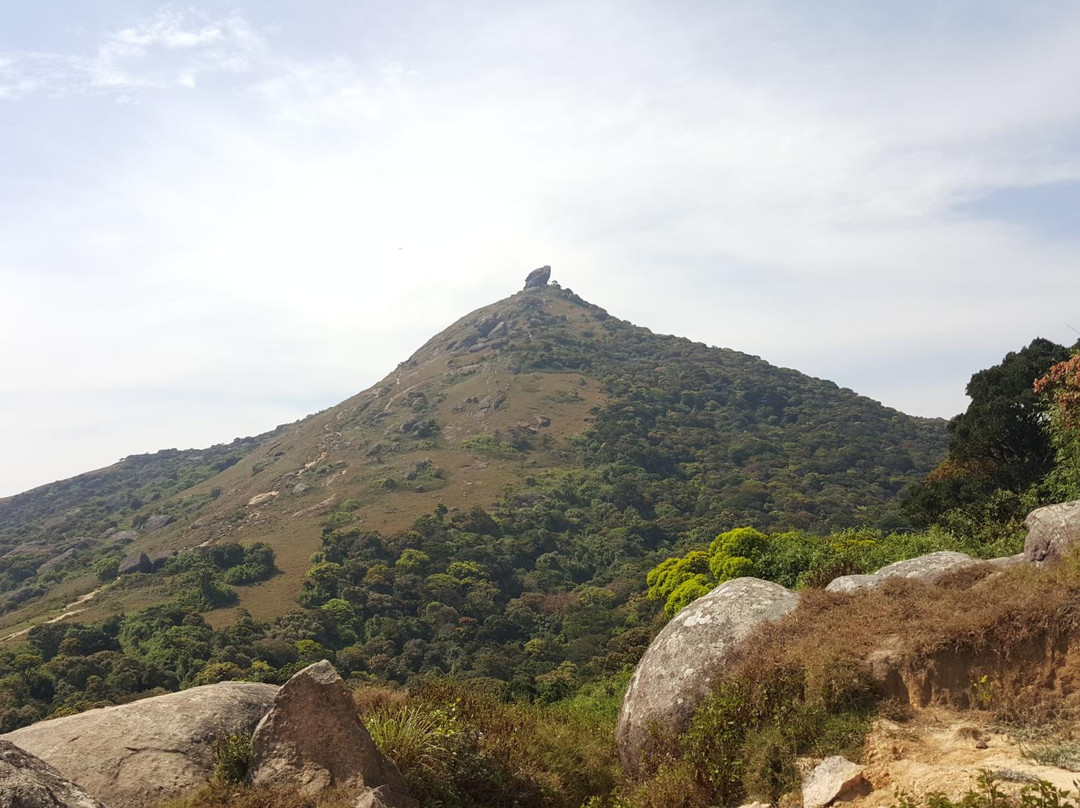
{"x":220,"y":217}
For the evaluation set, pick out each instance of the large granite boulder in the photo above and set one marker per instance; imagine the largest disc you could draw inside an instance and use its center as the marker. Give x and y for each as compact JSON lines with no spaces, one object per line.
{"x":314,"y":739}
{"x":687,"y":657}
{"x":538,"y":277}
{"x":140,"y":754}
{"x":29,"y":782}
{"x":1052,"y":531}
{"x":923,"y":568}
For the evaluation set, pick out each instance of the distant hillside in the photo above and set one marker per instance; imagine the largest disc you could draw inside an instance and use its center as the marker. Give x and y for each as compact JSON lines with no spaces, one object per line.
{"x":540,"y":401}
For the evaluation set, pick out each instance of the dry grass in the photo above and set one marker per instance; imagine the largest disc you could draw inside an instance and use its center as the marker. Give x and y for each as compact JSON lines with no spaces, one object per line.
{"x":984,"y":638}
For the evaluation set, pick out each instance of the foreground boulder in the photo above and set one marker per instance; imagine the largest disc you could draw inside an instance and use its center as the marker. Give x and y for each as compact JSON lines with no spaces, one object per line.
{"x":687,"y":657}
{"x":29,"y":782}
{"x":1052,"y":531}
{"x":923,"y":568}
{"x":140,"y":754}
{"x":314,"y":739}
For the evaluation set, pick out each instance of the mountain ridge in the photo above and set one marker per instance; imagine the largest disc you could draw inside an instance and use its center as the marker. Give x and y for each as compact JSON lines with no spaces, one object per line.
{"x":536,"y":384}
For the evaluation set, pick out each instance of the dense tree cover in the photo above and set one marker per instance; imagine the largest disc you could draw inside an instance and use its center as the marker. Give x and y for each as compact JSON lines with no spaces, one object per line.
{"x":726,"y":438}
{"x":1001,"y":449}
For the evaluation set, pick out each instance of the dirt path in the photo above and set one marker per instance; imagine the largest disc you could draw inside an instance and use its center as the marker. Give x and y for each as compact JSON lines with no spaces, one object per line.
{"x":68,"y":611}
{"x":944,"y":752}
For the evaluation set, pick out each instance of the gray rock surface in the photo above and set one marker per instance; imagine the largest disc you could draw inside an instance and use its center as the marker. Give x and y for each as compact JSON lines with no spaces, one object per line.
{"x":833,"y":779}
{"x":313,"y":738}
{"x":538,"y":277}
{"x":135,"y":562}
{"x":139,"y":754}
{"x":687,"y":656}
{"x":157,"y":522}
{"x":923,"y":568}
{"x":1052,"y":531}
{"x":29,"y":782}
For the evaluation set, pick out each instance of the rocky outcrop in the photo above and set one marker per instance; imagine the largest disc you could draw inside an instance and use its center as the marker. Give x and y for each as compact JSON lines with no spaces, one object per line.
{"x":1052,"y":531}
{"x":135,"y":562}
{"x":157,"y":522}
{"x":314,"y":739}
{"x":835,"y":778}
{"x":686,"y":658}
{"x":538,"y":277}
{"x":923,"y":568}
{"x":29,"y":782}
{"x":137,"y":755}
{"x":262,"y":499}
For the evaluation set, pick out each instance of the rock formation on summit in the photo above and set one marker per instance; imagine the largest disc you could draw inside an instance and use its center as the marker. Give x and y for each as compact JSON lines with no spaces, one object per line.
{"x":538,"y":277}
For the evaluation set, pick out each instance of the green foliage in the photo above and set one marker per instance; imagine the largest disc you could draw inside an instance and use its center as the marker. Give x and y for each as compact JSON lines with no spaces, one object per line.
{"x":999,"y":451}
{"x":488,"y":445}
{"x":232,"y":757}
{"x":1037,"y":794}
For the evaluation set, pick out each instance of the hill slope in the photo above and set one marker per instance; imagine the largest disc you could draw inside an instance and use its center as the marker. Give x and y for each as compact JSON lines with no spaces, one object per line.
{"x":541,"y":402}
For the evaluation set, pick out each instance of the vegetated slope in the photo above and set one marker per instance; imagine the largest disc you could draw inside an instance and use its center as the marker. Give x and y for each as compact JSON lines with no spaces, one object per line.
{"x":549,"y":397}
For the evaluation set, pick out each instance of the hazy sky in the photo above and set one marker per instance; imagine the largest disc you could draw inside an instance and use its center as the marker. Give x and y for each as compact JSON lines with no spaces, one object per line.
{"x":220,"y":217}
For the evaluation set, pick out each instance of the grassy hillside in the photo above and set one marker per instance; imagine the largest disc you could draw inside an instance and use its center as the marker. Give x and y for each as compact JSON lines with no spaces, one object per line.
{"x":526,"y":394}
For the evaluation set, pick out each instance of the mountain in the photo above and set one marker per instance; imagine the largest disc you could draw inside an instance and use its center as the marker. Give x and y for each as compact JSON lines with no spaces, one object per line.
{"x":540,"y":415}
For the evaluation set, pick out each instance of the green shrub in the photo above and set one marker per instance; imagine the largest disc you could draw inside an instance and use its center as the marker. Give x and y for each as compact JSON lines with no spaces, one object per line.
{"x":232,"y":756}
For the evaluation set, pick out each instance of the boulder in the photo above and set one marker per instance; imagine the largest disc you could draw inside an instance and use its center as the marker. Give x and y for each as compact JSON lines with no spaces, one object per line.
{"x":157,"y":522}
{"x":923,"y":568}
{"x":313,"y":738}
{"x":538,"y":277}
{"x":29,"y":782}
{"x":849,"y":583}
{"x":262,"y":499}
{"x":140,"y":754}
{"x":135,"y":562}
{"x":125,"y":536}
{"x":833,"y":779}
{"x":684,"y":661}
{"x":1052,"y":531}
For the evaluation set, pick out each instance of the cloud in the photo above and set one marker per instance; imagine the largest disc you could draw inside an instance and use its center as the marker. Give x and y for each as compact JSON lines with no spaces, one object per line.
{"x":298,"y":206}
{"x":167,"y":50}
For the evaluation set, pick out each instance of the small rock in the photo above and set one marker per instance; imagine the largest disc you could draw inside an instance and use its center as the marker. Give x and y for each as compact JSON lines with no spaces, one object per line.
{"x":834,"y":778}
{"x":29,"y":782}
{"x":300,"y":488}
{"x":125,"y":536}
{"x":260,"y":499}
{"x":982,"y":745}
{"x":1052,"y":531}
{"x":312,"y":737}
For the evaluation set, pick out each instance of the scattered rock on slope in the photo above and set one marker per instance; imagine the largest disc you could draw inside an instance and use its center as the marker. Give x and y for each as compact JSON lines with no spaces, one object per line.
{"x":1052,"y":531}
{"x":137,"y":755}
{"x":923,"y":568}
{"x":688,"y":655}
{"x":135,"y":562}
{"x":313,"y":738}
{"x":29,"y":782}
